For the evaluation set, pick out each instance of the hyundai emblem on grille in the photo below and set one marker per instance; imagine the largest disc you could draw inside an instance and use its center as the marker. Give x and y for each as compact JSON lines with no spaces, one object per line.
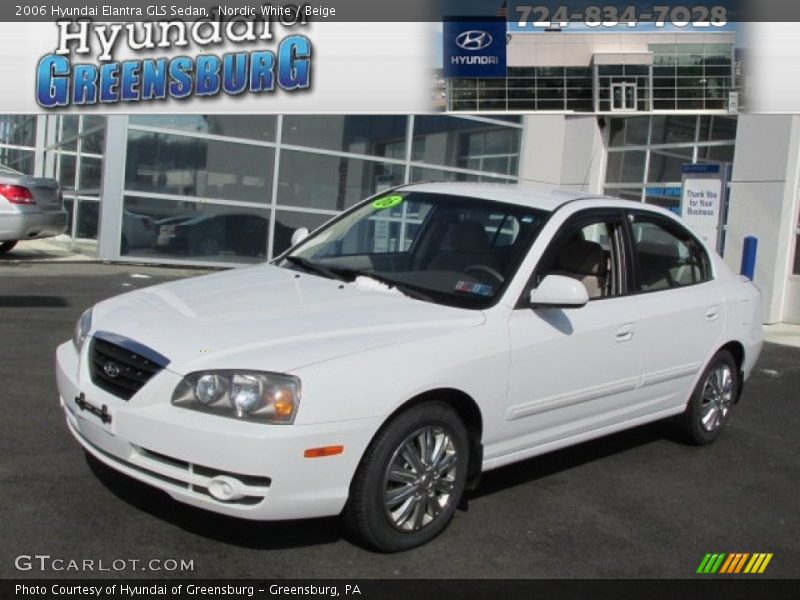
{"x":111,"y":369}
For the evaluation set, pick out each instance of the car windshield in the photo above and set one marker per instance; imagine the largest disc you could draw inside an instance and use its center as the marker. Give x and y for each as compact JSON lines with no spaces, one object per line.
{"x":436,"y":247}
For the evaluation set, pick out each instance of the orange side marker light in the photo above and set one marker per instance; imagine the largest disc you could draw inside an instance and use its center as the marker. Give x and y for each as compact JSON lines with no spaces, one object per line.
{"x":324,"y":451}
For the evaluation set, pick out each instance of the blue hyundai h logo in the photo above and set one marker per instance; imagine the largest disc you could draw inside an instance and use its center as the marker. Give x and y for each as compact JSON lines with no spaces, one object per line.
{"x":474,"y":39}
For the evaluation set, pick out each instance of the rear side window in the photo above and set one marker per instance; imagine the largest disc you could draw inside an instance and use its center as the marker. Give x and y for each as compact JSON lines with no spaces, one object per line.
{"x":667,"y":255}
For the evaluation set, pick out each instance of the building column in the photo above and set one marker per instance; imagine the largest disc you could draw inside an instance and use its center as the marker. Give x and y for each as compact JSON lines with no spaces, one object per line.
{"x":109,"y":231}
{"x":763,"y":203}
{"x":564,"y":151}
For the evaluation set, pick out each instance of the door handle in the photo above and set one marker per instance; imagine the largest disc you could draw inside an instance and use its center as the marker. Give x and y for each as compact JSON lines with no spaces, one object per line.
{"x":712,"y":314}
{"x":624,"y":333}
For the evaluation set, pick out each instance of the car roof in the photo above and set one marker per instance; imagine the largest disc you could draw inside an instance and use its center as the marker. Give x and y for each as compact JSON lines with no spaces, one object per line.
{"x":536,"y":196}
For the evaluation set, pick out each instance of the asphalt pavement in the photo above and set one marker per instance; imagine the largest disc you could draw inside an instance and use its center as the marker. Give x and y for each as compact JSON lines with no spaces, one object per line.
{"x":635,"y":504}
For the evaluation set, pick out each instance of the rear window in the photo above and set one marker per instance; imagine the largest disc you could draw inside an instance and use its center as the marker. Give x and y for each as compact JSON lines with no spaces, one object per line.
{"x":668,"y":256}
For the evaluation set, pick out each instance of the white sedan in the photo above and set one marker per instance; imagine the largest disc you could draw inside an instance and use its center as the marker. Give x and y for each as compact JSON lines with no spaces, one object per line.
{"x":430,"y":333}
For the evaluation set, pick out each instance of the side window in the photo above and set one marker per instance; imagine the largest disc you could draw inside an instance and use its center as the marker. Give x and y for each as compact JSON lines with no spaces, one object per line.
{"x":586,"y":252}
{"x":667,"y":257}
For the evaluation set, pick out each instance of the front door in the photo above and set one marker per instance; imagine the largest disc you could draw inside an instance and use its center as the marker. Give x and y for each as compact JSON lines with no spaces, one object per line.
{"x":575,"y":370}
{"x":623,"y":97}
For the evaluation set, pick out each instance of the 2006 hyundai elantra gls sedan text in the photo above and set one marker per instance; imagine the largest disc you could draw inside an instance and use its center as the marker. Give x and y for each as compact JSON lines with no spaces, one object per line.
{"x":428,"y":334}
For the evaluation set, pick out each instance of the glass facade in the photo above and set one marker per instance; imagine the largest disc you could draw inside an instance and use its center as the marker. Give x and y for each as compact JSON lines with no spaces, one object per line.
{"x":682,"y":76}
{"x":527,"y":89}
{"x":73,"y":154}
{"x":17,"y":142}
{"x":646,"y":154}
{"x":692,"y":76}
{"x":232,"y":189}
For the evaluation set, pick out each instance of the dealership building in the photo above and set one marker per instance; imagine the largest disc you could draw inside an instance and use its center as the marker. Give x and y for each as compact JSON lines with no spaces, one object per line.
{"x":232,"y":188}
{"x":605,"y":72}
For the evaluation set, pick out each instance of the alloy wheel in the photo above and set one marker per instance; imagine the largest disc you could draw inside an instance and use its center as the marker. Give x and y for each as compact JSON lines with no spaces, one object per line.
{"x":420,"y":478}
{"x":717,"y":397}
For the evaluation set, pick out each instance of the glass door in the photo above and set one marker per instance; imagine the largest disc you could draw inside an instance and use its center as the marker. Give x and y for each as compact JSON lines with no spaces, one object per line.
{"x":623,"y":97}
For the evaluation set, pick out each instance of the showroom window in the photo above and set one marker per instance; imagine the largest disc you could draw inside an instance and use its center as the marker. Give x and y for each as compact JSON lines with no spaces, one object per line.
{"x":382,"y":136}
{"x":17,"y":141}
{"x":252,"y":127}
{"x":692,"y":76}
{"x":190,"y":181}
{"x":73,"y":154}
{"x":646,"y":154}
{"x":198,"y":167}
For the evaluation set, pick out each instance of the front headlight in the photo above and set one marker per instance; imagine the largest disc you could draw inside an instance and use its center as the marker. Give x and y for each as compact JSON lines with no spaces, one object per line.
{"x":82,"y":328}
{"x":251,"y":395}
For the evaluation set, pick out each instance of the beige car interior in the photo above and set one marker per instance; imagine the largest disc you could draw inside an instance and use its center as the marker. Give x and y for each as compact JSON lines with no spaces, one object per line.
{"x":585,"y":261}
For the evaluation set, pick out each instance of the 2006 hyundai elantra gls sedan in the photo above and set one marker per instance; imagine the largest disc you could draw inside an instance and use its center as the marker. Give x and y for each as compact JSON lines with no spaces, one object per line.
{"x":426,"y":335}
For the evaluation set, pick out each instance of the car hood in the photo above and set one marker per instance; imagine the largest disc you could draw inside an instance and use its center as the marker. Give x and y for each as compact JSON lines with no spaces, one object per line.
{"x":271,"y":319}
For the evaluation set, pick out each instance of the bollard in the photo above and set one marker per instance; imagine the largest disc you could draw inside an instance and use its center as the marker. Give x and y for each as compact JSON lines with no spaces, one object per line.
{"x":749,"y":257}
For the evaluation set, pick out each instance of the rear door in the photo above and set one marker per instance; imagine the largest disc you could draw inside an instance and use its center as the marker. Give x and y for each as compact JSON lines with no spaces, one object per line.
{"x":680,"y":304}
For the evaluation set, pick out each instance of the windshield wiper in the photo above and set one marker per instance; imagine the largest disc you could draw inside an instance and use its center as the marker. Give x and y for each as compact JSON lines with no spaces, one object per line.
{"x":313,"y":267}
{"x":403,"y":288}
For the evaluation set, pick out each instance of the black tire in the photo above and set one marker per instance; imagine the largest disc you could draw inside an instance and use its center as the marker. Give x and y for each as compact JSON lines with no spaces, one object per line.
{"x":712,"y":400}
{"x":434,"y":494}
{"x":6,"y":247}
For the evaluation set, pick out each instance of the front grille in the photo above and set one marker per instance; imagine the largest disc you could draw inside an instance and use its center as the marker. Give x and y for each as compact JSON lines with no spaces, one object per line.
{"x":121,"y":366}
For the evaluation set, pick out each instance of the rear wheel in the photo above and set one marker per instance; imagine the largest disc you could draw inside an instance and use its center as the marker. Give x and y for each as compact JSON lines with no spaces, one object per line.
{"x":711,"y":403}
{"x":410,"y":480}
{"x":6,"y":246}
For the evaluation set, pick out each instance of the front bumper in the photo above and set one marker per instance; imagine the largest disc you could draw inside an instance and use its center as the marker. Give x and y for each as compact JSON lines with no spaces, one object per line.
{"x":180,"y":451}
{"x":32,"y":225}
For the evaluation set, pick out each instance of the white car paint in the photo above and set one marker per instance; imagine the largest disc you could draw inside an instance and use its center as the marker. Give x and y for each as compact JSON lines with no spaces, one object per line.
{"x":542,"y":379}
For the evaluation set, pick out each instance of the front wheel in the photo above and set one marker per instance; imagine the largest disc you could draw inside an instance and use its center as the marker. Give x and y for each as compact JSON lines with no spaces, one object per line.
{"x":711,"y":403}
{"x":6,"y":247}
{"x":410,"y":480}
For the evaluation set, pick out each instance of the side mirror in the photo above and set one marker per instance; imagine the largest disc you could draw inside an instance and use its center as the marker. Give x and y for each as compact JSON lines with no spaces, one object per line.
{"x":557,"y":291}
{"x":299,"y":235}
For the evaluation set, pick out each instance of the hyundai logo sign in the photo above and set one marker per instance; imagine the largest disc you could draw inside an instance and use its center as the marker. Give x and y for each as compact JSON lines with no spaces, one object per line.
{"x":474,"y":39}
{"x":474,"y":47}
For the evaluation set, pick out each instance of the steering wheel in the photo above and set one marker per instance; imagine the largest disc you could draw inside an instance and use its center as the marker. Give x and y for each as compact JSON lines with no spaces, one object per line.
{"x":484,"y":269}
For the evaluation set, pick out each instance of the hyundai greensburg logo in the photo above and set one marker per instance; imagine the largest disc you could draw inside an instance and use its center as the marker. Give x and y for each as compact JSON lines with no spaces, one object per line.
{"x":474,"y":40}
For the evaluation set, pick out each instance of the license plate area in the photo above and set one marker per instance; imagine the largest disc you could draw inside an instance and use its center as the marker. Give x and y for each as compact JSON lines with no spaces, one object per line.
{"x":92,"y":411}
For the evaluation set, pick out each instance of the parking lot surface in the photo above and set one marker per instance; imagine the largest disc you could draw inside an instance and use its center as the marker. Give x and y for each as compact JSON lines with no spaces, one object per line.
{"x":635,"y":504}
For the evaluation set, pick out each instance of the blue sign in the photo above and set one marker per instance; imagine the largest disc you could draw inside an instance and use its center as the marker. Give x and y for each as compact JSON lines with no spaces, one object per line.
{"x":474,"y":47}
{"x":700,"y":168}
{"x":664,"y":192}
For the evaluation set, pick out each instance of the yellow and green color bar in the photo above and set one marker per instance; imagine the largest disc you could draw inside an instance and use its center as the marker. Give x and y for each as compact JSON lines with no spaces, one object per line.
{"x":737,"y":562}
